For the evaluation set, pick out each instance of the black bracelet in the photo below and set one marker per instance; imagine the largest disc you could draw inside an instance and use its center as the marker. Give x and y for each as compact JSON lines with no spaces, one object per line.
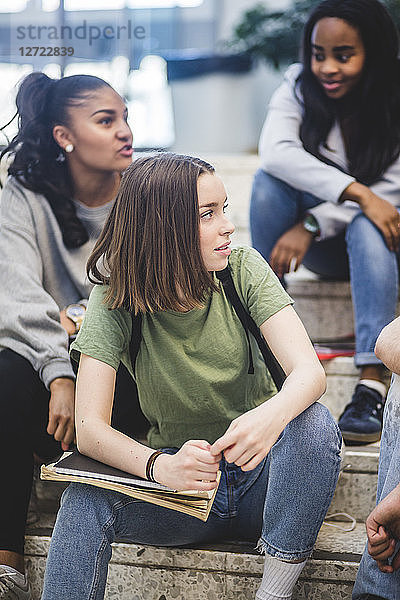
{"x":150,"y":465}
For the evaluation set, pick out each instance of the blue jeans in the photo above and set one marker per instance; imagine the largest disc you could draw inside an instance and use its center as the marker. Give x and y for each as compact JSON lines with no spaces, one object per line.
{"x":370,"y":580}
{"x":282,"y":502}
{"x":359,"y":253}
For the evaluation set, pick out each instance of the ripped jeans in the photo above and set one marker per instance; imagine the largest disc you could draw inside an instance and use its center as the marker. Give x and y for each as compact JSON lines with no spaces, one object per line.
{"x":282,"y":503}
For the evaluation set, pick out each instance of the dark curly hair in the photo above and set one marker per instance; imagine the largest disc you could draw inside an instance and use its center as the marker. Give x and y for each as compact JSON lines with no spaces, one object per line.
{"x":39,"y":163}
{"x":374,"y":143}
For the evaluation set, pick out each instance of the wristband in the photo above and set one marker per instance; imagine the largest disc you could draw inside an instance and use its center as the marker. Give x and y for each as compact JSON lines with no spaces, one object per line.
{"x":150,"y":465}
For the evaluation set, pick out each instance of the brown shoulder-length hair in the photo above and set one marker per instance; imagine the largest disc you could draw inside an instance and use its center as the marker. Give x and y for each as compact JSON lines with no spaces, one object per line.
{"x":150,"y":244}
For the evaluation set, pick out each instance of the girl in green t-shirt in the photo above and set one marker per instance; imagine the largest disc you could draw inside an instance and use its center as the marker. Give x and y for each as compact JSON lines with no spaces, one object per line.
{"x":165,"y":237}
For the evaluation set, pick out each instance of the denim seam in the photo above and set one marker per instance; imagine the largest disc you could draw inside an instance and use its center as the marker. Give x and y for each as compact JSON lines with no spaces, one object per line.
{"x":250,"y":481}
{"x":366,"y":358}
{"x":117,"y":506}
{"x":265,"y":547}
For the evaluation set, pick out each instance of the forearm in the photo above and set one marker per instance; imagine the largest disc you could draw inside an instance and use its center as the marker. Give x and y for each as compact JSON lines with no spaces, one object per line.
{"x":105,"y":444}
{"x":95,"y":436}
{"x":306,"y":381}
{"x":357,"y":192}
{"x":303,"y":386}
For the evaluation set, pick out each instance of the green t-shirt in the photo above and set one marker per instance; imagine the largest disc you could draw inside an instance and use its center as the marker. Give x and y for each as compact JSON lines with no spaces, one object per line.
{"x":192,"y":367}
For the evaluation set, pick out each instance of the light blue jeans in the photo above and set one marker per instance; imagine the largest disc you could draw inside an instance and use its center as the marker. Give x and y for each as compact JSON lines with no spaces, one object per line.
{"x":282,"y":502}
{"x":370,"y":580}
{"x":360,"y":253}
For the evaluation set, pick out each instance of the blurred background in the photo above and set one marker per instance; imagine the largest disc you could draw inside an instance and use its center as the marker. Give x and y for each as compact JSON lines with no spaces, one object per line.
{"x":197,"y":74}
{"x":192,"y":84}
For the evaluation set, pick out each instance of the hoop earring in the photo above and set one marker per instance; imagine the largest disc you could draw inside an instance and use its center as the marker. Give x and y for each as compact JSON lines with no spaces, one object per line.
{"x":69,"y":148}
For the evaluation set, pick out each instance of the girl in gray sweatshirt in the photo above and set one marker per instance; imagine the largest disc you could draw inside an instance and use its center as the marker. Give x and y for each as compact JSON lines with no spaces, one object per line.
{"x":72,"y":144}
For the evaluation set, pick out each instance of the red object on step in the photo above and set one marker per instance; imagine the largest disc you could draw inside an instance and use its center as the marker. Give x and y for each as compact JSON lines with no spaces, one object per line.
{"x":328,"y":349}
{"x":329,"y":353}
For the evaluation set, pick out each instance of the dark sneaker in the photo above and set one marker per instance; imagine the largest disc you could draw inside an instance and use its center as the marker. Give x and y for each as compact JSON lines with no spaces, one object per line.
{"x":10,"y":590}
{"x":361,"y":420}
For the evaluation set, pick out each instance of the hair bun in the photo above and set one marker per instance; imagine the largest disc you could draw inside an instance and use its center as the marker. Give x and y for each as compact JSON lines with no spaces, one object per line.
{"x":32,"y":97}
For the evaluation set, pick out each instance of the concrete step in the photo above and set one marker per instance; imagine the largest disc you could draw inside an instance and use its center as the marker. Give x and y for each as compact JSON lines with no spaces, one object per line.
{"x":341,"y":379}
{"x":325,"y":307}
{"x":226,"y":571}
{"x":230,"y":571}
{"x":356,"y":490}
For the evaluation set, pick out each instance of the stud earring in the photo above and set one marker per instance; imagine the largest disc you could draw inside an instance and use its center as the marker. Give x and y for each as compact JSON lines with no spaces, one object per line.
{"x":69,"y":148}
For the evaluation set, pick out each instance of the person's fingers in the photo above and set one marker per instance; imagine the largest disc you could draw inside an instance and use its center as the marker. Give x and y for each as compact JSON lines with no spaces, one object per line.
{"x":395,"y":232}
{"x":384,"y":567}
{"x":206,"y":475}
{"x":280,"y":260}
{"x":376,"y":533}
{"x":52,"y":424}
{"x":237,"y":450}
{"x":383,"y":553}
{"x":202,"y":485}
{"x":252,"y":464}
{"x":375,"y":549}
{"x":284,"y":262}
{"x":203,"y":454}
{"x":396,"y":561}
{"x":69,"y":433}
{"x":60,"y":431}
{"x":224,"y":442}
{"x":388,"y":239}
{"x":244,"y":457}
{"x":203,"y":444}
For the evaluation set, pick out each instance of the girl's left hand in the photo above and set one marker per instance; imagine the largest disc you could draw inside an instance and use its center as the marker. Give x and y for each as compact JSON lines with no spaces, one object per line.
{"x":290,"y":249}
{"x":251,"y":436}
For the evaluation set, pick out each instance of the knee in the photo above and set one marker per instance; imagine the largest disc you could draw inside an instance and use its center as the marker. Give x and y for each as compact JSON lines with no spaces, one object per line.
{"x":317,"y":432}
{"x":266,"y":189}
{"x":22,"y":393}
{"x":84,"y":505}
{"x":15,"y":367}
{"x":362,"y":233}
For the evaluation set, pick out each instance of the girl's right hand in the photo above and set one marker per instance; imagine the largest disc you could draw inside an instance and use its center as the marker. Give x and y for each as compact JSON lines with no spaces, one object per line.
{"x":192,"y":468}
{"x":61,"y":424}
{"x":383,"y":214}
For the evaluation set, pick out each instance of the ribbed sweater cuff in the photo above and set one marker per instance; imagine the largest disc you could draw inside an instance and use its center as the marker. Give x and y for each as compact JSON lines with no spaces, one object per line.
{"x":56,"y":368}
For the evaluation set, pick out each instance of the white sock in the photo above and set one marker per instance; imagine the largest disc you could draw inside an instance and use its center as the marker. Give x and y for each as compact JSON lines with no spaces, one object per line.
{"x":17,"y":576}
{"x":375,"y":385}
{"x":279,"y":578}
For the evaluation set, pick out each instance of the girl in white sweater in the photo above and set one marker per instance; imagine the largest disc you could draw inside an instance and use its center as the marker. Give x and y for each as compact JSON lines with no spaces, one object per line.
{"x":329,"y":187}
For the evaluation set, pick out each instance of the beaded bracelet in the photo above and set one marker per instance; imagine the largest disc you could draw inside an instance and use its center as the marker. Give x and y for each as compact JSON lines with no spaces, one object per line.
{"x":150,"y":465}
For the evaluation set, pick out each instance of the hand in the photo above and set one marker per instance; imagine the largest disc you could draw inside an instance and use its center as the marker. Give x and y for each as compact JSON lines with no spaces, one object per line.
{"x":66,"y":322}
{"x":383,"y":214}
{"x":193,"y":467}
{"x":61,"y":411}
{"x":383,"y":531}
{"x":251,"y":436}
{"x":290,"y":249}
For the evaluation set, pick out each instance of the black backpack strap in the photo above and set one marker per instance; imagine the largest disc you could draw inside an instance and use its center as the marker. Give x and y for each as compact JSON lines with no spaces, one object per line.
{"x":273,"y":366}
{"x":136,"y":338}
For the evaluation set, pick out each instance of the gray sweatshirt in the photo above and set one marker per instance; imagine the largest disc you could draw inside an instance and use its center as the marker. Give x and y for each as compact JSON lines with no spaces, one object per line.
{"x":283,"y":156}
{"x":39,"y":276}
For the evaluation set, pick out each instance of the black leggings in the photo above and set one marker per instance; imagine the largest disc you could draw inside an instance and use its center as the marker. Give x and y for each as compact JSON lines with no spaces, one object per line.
{"x":24,"y":404}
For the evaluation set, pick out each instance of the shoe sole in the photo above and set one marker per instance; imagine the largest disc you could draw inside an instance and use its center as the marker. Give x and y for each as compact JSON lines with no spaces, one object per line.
{"x":352,"y":436}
